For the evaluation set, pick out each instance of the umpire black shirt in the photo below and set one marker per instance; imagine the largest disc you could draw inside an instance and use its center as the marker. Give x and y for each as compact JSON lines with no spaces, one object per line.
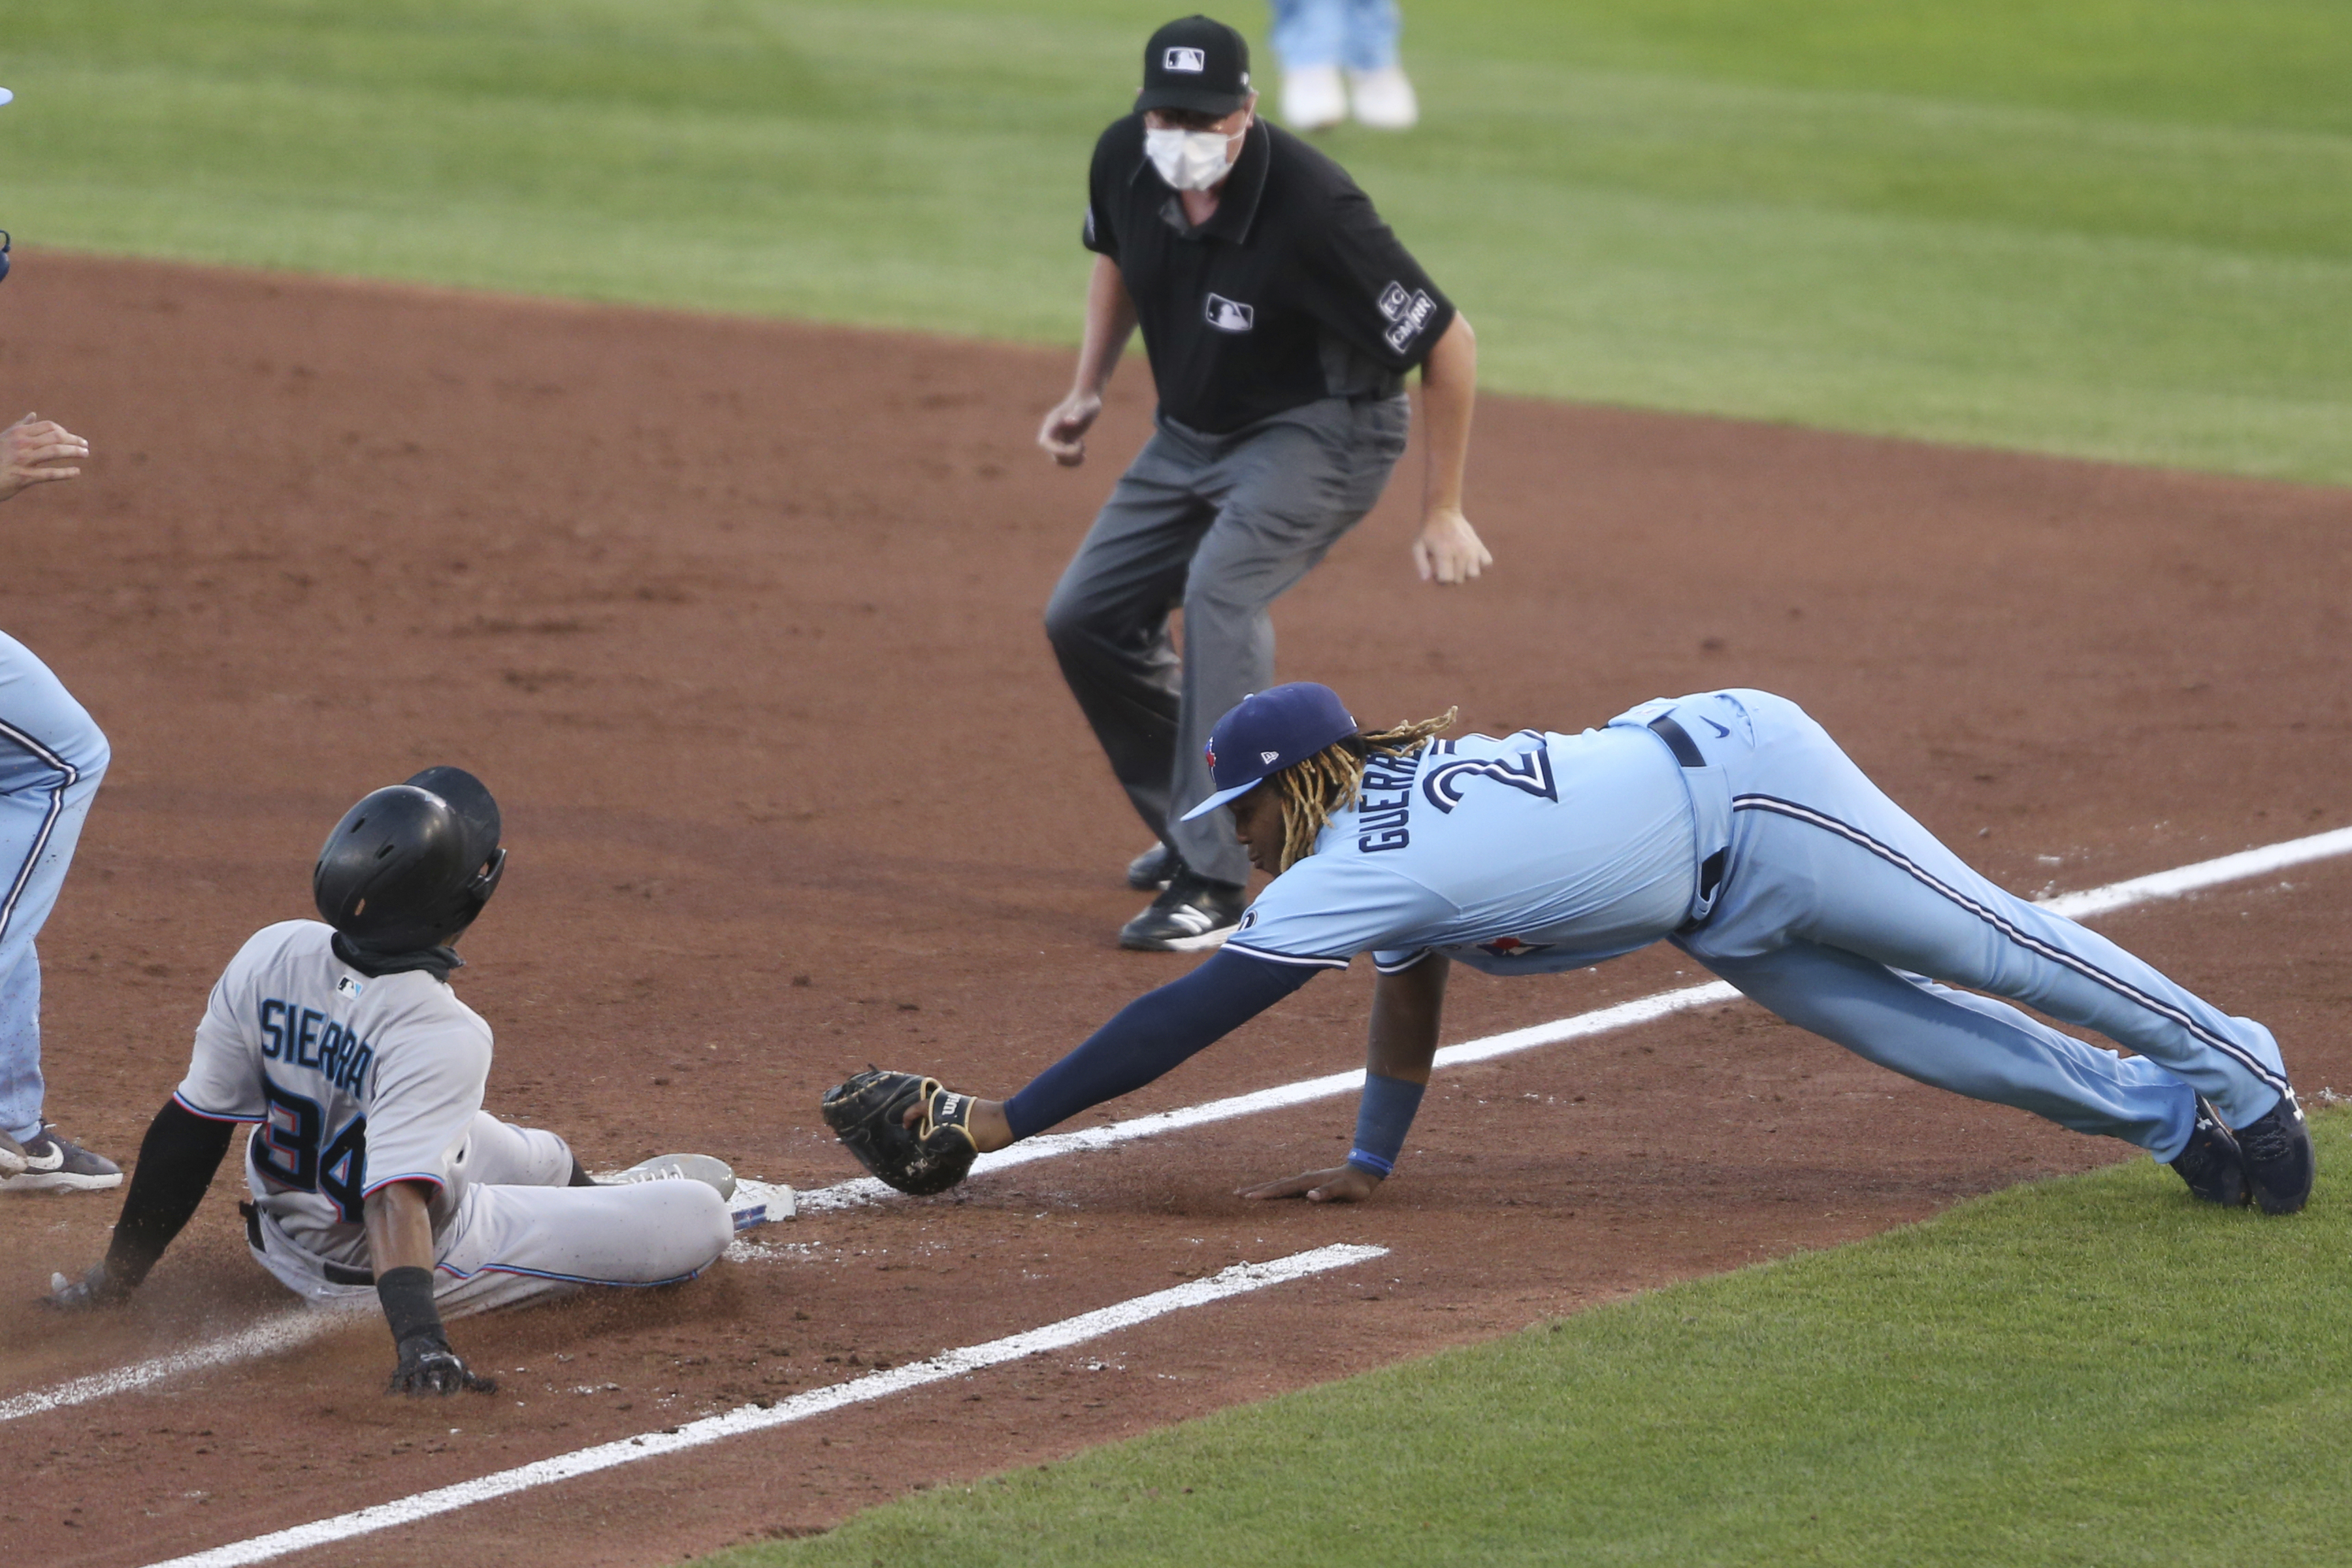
{"x":1292,"y":290}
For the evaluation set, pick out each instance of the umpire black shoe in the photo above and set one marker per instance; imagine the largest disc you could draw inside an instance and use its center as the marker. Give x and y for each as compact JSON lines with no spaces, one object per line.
{"x":1152,"y":870}
{"x":2213,"y":1165}
{"x":1193,"y":913}
{"x":2277,"y":1148}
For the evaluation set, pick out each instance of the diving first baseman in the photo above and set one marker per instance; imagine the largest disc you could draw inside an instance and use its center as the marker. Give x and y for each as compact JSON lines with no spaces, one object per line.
{"x":1729,"y":824}
{"x":372,"y":1167}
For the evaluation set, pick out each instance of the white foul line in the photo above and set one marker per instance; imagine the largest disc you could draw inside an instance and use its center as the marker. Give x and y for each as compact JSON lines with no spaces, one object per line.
{"x":2075,"y":905}
{"x":865,"y":1190}
{"x":1234,"y":1282}
{"x":271,"y":1336}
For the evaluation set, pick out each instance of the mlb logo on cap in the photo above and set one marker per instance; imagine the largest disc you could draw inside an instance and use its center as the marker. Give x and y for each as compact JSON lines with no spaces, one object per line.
{"x":1197,"y":64}
{"x":1268,"y":730}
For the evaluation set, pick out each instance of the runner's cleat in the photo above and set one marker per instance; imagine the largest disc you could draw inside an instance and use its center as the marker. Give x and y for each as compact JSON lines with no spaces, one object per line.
{"x":710,"y":1173}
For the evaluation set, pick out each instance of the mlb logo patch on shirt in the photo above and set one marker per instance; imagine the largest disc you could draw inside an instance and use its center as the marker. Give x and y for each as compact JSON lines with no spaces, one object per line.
{"x":1191,"y":62}
{"x":1230,"y":315}
{"x":348,"y":986}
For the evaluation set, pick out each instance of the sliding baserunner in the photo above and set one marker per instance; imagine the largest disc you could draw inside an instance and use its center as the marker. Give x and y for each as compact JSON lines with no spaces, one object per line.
{"x":373,"y":1168}
{"x":1729,"y":824}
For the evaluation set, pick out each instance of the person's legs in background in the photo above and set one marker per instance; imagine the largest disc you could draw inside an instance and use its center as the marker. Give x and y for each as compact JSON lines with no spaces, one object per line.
{"x":52,"y":756}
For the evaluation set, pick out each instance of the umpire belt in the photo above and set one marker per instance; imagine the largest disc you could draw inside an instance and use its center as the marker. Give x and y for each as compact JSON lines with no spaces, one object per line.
{"x":1711,"y":816}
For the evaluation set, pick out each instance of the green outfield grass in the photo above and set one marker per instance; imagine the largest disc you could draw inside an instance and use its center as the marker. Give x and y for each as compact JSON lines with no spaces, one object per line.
{"x":2094,"y":1371}
{"x":2119,"y":227}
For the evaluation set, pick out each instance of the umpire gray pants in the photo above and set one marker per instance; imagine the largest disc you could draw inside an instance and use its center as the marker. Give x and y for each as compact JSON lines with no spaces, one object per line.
{"x":1220,"y":526}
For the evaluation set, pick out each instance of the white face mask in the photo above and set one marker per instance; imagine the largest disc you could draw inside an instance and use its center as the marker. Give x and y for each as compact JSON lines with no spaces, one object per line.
{"x":1189,"y":160}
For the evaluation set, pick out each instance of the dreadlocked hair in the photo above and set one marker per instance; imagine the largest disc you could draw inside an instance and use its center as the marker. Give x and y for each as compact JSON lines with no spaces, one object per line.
{"x":1313,"y":789}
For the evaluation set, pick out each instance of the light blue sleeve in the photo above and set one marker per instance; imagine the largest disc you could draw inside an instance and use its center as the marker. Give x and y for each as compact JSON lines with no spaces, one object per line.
{"x":1329,"y":908}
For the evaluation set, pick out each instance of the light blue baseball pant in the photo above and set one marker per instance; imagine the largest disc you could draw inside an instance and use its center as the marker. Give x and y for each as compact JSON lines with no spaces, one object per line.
{"x":51,"y":758}
{"x":1840,"y":913}
{"x":1360,"y":34}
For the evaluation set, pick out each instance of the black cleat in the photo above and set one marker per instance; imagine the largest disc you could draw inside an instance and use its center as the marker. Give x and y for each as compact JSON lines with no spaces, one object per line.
{"x":1193,"y":914}
{"x":2213,"y":1165}
{"x":1152,"y":870}
{"x":2277,"y":1148}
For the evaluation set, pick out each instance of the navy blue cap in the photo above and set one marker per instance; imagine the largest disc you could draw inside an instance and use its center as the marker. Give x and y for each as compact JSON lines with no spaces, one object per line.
{"x":1268,"y":730}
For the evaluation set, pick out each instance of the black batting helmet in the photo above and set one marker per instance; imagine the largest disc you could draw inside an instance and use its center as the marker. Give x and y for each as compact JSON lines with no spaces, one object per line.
{"x":410,"y":866}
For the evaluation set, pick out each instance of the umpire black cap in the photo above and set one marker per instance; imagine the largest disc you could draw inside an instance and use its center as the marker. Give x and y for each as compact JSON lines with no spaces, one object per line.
{"x":410,"y":866}
{"x":1197,"y":64}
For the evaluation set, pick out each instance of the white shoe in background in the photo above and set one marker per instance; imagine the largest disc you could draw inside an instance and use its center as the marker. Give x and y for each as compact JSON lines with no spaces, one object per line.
{"x":1384,"y":98}
{"x":1313,"y":98}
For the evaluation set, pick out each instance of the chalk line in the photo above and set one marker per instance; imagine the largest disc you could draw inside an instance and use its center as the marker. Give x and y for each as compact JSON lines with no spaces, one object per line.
{"x":1236,"y":1280}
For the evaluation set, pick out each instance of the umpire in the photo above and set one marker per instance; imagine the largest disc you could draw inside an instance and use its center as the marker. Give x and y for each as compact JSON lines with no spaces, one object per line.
{"x":1281,"y":317}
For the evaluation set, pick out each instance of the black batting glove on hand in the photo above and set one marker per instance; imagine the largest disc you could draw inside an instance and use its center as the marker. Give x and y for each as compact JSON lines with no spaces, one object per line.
{"x":428,"y":1366}
{"x":96,"y":1289}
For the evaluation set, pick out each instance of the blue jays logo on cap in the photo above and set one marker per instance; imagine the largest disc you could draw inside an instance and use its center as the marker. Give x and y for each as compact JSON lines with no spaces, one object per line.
{"x":1265,"y":733}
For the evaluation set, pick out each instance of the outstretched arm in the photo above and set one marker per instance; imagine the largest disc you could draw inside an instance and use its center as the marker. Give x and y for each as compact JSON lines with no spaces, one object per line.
{"x":1407,"y":1008}
{"x":177,"y":1162}
{"x":1151,"y":1035}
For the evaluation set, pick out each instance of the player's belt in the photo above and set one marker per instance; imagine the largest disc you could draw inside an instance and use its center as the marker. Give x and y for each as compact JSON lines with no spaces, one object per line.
{"x":1710,"y":871}
{"x":336,"y":1273}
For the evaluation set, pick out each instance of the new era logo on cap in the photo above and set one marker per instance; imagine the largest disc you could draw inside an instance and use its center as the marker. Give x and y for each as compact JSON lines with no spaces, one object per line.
{"x":1295,"y":721}
{"x":1191,"y":62}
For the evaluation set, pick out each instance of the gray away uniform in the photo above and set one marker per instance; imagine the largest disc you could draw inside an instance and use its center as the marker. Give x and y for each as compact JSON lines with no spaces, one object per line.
{"x":358,"y":1081}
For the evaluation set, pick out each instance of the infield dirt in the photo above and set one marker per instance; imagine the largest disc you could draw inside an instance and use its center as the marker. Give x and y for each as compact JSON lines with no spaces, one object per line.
{"x":740,"y":621}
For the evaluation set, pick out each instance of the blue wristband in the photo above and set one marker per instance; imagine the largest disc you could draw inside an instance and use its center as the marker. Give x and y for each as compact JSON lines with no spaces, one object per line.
{"x":1382,"y":1120}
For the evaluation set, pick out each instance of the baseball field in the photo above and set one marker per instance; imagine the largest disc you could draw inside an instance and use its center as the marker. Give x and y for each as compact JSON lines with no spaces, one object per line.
{"x":634,"y":402}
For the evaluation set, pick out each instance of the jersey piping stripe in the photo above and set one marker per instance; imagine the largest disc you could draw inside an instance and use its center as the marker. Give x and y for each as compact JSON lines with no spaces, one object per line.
{"x":566,"y":1278}
{"x":71,"y":775}
{"x":1408,"y":964}
{"x":2007,"y":928}
{"x":1233,"y":946}
{"x":182,"y":1101}
{"x":382,"y":1182}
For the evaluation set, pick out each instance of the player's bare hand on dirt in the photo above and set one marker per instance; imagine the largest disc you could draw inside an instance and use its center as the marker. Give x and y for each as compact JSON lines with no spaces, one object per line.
{"x":30,"y":451}
{"x":1339,"y":1185}
{"x":1064,"y":434}
{"x":1448,"y":548}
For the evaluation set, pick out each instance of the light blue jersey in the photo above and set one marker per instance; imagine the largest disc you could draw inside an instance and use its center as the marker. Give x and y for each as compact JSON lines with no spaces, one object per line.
{"x":1729,"y":823}
{"x":1527,"y":855}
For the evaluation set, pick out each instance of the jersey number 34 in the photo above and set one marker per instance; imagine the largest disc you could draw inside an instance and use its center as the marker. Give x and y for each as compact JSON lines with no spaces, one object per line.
{"x":288,"y":1151}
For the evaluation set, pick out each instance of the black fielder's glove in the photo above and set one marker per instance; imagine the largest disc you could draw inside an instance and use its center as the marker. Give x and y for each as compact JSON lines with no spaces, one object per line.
{"x":428,"y":1366}
{"x":868,"y":1114}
